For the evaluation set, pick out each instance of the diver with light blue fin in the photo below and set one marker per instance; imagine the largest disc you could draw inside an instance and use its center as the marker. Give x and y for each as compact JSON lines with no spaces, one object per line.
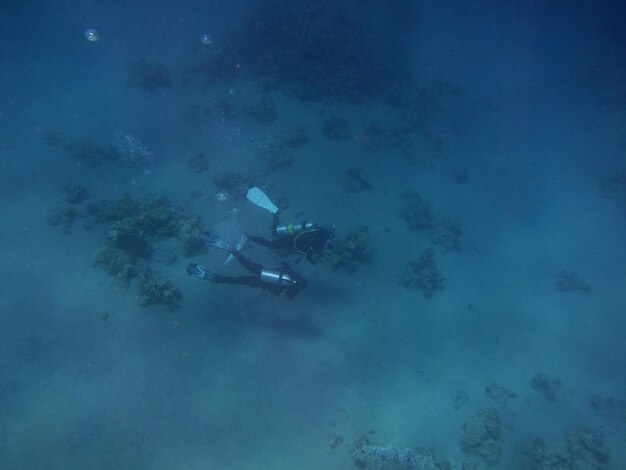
{"x":280,"y":281}
{"x":306,"y":238}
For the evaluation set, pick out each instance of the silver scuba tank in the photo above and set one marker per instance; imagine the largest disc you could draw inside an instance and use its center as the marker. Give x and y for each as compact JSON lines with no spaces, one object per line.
{"x":276,"y":277}
{"x":288,"y":230}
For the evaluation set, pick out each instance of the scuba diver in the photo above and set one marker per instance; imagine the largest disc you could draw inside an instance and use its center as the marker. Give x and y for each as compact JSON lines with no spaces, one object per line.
{"x":280,"y":281}
{"x":306,"y":238}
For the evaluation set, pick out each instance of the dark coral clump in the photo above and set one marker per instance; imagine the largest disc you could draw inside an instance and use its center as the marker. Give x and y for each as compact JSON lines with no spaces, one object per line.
{"x":418,"y":214}
{"x":148,"y":76}
{"x":154,"y":289}
{"x":587,"y":448}
{"x":199,"y":163}
{"x":86,"y":151}
{"x":481,"y":436}
{"x":126,"y":235}
{"x":447,"y":234}
{"x":316,"y":51}
{"x":137,"y":223}
{"x":588,"y":445}
{"x":609,"y":407}
{"x":422,"y":274}
{"x":499,"y":392}
{"x":136,"y":226}
{"x":75,"y":194}
{"x":355,"y":180}
{"x":236,"y":184}
{"x":391,"y":458}
{"x":187,"y":232}
{"x":535,"y":454}
{"x":416,"y":211}
{"x":351,"y":252}
{"x":281,"y":152}
{"x":117,"y":263}
{"x":549,"y":387}
{"x":65,"y":217}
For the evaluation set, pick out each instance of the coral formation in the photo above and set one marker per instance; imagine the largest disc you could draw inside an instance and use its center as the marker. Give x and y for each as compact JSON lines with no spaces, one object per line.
{"x":459,"y":398}
{"x":481,"y":436}
{"x":351,"y":252}
{"x":422,"y":274}
{"x":199,"y":163}
{"x":126,"y":150}
{"x":65,"y":217}
{"x":547,"y":386}
{"x":391,"y":458}
{"x":139,"y":222}
{"x":588,"y":444}
{"x":136,"y":225}
{"x":334,"y":440}
{"x":418,"y":214}
{"x":117,"y":263}
{"x":586,"y":449}
{"x":609,"y":407}
{"x":85,"y":151}
{"x":132,"y":153}
{"x":416,"y":211}
{"x":154,"y":289}
{"x":188,"y":229}
{"x":75,"y":194}
{"x":294,"y":138}
{"x":280,"y":152}
{"x":127,"y":235}
{"x":355,"y":180}
{"x":499,"y":393}
{"x":533,"y":454}
{"x":148,"y":76}
{"x":447,"y":234}
{"x":234,"y":183}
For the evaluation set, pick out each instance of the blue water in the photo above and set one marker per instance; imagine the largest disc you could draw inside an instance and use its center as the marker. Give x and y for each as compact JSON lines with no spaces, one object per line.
{"x":506,"y":118}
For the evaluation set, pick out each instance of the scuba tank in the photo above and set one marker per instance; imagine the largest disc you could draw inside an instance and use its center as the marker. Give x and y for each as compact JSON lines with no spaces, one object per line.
{"x":277,"y":277}
{"x":289,"y":230}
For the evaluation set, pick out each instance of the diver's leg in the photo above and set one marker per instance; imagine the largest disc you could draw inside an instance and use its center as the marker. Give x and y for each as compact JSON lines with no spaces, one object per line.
{"x":251,"y":266}
{"x":251,"y":281}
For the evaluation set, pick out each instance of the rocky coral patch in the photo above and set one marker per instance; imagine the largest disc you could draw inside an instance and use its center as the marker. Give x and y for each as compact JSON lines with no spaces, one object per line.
{"x":422,"y":274}
{"x":351,"y":252}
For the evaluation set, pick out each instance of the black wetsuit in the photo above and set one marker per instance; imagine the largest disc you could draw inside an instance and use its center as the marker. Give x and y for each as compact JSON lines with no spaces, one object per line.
{"x":310,"y":243}
{"x":289,"y":290}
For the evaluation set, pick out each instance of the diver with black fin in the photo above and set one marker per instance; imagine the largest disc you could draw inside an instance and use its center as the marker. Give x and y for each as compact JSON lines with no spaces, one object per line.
{"x":306,"y":238}
{"x":280,"y":281}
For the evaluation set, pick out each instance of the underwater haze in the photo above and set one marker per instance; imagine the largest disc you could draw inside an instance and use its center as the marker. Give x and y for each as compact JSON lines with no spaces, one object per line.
{"x":290,"y":234}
